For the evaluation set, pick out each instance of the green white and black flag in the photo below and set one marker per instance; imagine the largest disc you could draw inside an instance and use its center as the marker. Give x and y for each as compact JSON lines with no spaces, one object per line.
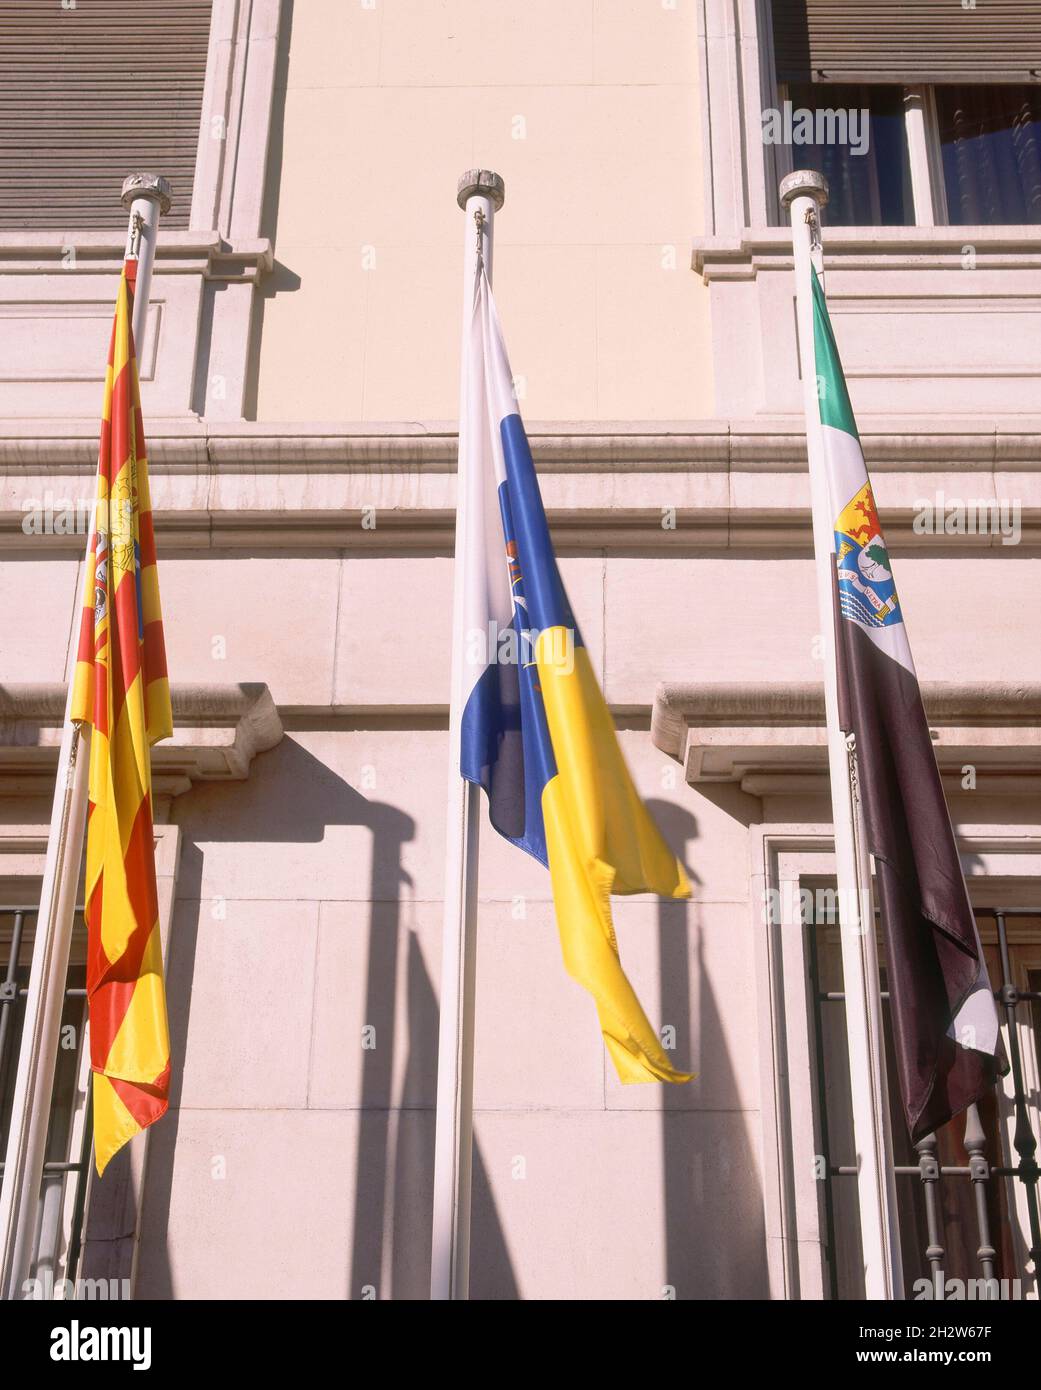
{"x":945,"y":1024}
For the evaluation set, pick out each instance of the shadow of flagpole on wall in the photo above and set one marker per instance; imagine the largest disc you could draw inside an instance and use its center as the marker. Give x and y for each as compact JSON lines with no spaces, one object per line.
{"x":377,"y":1068}
{"x":492,"y":1275}
{"x":680,"y":829}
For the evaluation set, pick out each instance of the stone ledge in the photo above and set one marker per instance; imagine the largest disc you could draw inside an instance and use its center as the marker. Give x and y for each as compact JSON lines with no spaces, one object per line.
{"x":180,"y":252}
{"x":742,"y":256}
{"x":218,"y":731}
{"x":770,"y":739}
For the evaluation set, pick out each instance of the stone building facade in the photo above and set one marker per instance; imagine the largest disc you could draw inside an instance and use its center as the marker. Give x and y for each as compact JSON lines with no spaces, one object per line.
{"x":300,"y":394}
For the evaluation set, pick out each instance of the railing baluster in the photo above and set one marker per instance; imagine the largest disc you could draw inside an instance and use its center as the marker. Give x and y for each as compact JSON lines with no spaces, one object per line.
{"x":929,"y":1170}
{"x":1023,"y":1135}
{"x":979,"y":1172}
{"x":82,"y":1181}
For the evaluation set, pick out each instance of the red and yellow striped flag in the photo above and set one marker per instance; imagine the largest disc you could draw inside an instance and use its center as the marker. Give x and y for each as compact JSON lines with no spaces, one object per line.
{"x":121,"y":690}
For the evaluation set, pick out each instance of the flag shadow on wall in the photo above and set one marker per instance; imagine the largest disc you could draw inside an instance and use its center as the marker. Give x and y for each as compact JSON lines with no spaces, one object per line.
{"x":292,"y":796}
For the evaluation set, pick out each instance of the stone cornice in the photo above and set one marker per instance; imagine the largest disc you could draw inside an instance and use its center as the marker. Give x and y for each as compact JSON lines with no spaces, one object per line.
{"x":767,"y":443}
{"x":731,"y":483}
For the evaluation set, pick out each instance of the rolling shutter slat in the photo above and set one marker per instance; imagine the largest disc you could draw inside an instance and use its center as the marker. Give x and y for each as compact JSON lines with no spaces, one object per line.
{"x":90,"y":94}
{"x":907,"y":41}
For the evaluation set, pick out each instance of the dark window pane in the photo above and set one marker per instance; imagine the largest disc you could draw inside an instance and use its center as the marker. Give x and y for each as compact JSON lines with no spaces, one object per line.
{"x":991,"y":142}
{"x":869,"y":180}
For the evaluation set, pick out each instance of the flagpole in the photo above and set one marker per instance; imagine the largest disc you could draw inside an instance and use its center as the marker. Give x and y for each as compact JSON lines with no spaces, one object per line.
{"x":145,"y":196}
{"x":480,"y":194}
{"x":805,"y":193}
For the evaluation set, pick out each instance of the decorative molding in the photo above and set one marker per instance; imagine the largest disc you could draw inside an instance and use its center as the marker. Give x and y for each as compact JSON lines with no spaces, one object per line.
{"x":771,"y":740}
{"x":218,"y":731}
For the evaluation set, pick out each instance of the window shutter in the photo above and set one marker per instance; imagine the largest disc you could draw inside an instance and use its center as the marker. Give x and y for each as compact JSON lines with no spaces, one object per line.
{"x":91,"y":93}
{"x":907,"y":41}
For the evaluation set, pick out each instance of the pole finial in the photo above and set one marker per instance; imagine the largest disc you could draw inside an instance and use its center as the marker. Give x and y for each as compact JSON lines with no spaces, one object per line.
{"x":804,"y":183}
{"x":147,"y":186}
{"x":483,"y":181}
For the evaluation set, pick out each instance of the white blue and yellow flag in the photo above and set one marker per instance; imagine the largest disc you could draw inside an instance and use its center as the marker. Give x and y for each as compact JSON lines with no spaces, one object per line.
{"x":536,"y":732}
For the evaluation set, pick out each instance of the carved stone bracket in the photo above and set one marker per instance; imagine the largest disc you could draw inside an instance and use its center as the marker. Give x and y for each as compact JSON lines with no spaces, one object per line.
{"x":770,"y":739}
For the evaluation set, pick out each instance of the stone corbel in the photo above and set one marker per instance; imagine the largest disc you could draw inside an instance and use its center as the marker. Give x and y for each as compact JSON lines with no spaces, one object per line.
{"x":770,"y":739}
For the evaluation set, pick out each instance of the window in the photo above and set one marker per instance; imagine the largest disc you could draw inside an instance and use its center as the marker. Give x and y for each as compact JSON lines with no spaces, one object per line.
{"x":952,"y":97}
{"x":90,"y":93}
{"x":936,"y":1192}
{"x":896,"y":156}
{"x":63,"y":1192}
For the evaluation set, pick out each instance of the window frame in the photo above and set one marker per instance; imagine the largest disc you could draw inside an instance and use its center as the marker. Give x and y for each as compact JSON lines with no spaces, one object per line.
{"x":783,"y":857}
{"x":924,"y":154}
{"x":239,"y":91}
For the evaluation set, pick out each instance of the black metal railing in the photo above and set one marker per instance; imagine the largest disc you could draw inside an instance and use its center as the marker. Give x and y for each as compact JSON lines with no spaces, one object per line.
{"x":17,"y":927}
{"x":992,"y":1209}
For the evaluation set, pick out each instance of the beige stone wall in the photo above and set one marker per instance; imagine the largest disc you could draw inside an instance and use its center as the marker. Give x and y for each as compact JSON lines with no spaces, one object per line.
{"x":315,"y":627}
{"x":589,"y":112}
{"x":308,"y":907}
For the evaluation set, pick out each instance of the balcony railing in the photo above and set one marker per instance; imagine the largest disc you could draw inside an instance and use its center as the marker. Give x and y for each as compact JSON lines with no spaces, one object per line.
{"x":988,"y":1204}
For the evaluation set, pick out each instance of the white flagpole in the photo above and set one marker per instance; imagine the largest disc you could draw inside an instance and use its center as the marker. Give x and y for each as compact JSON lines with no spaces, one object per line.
{"x":480,"y":194}
{"x":145,"y":195}
{"x":804,"y":193}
